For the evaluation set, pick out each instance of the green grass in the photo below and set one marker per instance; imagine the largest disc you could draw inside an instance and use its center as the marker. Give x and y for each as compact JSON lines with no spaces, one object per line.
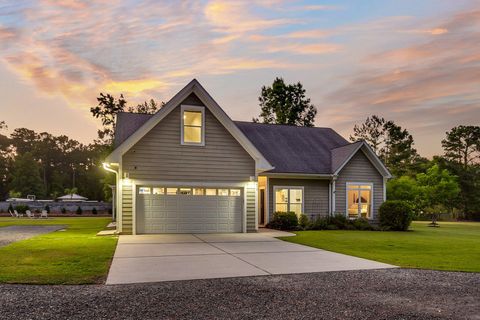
{"x":454,"y":246}
{"x":74,"y":256}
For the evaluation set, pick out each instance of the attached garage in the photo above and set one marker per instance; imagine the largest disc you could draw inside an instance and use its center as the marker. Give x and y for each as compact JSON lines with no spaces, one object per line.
{"x":189,"y":209}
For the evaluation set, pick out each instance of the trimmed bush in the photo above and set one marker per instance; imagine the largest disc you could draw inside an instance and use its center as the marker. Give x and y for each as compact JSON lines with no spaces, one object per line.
{"x":339,"y":220}
{"x":362,"y":224}
{"x":47,"y":208}
{"x":395,"y":215}
{"x":94,"y":211}
{"x":10,"y":208}
{"x":303,"y":222}
{"x":63,"y":210}
{"x":283,"y":221}
{"x":79,"y":210}
{"x":21,"y":208}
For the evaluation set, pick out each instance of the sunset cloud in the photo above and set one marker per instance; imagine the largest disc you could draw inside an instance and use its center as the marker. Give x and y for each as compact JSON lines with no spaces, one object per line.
{"x":412,"y":65}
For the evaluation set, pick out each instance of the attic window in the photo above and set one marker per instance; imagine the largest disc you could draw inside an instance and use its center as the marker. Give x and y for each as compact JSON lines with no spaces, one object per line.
{"x":193,"y":125}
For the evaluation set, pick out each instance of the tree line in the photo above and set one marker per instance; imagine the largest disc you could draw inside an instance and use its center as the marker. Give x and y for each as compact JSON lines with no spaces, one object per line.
{"x":47,"y":165}
{"x":447,"y":183}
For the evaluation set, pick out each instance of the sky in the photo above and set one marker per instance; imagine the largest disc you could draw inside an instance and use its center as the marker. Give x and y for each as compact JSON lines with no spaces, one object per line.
{"x":414,"y":62}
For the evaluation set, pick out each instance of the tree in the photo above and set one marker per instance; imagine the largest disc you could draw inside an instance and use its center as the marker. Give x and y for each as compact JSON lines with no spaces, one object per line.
{"x":286,"y":104}
{"x":439,"y":190}
{"x":108,"y":107}
{"x":462,"y":145}
{"x":146,"y":107}
{"x":403,"y":188}
{"x":106,"y":110}
{"x":392,"y":143}
{"x":26,"y":176}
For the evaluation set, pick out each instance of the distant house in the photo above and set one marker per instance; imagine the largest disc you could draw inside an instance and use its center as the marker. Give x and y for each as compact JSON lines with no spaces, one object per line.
{"x":189,"y":169}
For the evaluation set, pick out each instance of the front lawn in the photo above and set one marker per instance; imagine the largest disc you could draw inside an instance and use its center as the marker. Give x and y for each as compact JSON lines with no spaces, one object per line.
{"x":455,"y":246}
{"x":74,"y":256}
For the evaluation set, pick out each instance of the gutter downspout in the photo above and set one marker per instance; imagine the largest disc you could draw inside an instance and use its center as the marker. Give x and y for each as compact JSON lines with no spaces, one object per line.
{"x":114,"y":191}
{"x":334,"y":190}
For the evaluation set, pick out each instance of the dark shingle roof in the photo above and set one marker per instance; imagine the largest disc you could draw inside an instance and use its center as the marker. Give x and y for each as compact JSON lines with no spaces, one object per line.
{"x":341,"y":154}
{"x":293,"y":149}
{"x":289,"y":149}
{"x":127,"y":123}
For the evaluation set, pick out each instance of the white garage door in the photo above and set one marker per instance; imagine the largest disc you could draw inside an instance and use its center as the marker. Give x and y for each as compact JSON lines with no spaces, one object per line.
{"x":188,"y":210}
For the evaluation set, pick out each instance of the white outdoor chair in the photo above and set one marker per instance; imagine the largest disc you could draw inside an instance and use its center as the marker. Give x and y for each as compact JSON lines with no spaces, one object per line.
{"x":30,"y":214}
{"x":44,"y":214}
{"x":18,"y":215}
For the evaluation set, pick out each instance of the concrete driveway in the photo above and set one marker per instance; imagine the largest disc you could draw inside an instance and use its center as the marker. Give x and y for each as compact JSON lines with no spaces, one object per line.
{"x":169,"y":257}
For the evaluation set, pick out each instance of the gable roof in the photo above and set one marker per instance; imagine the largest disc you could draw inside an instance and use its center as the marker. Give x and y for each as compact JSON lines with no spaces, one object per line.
{"x":195,"y":87}
{"x":342,"y":155}
{"x":290,"y":149}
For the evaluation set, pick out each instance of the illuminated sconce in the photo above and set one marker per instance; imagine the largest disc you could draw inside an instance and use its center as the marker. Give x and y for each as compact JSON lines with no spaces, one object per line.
{"x":126,"y":179}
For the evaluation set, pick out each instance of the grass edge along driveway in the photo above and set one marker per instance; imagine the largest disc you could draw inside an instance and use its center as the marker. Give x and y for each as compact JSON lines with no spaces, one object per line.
{"x":454,"y":246}
{"x":73,"y":256}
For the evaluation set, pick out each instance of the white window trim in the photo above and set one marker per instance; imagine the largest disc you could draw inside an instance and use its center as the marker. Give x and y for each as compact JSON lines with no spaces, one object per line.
{"x":192,"y":108}
{"x":371,"y":196}
{"x":288,"y":205}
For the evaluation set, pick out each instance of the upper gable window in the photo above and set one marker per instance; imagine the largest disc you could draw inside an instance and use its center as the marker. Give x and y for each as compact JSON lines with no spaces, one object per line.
{"x":193,"y":125}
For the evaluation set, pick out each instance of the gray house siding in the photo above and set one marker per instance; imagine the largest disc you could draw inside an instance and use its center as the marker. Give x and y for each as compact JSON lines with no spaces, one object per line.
{"x":315,"y":194}
{"x":127,"y":204}
{"x":159,"y":156}
{"x":358,"y":169}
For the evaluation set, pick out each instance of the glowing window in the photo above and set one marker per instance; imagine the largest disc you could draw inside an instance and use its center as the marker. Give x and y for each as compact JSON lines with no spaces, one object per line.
{"x":198,"y":191}
{"x":223,"y":192}
{"x":172,"y":191}
{"x":144,"y":190}
{"x":185,"y":191}
{"x":211,"y":192}
{"x":235,"y":192}
{"x":193,"y":131}
{"x":158,"y":190}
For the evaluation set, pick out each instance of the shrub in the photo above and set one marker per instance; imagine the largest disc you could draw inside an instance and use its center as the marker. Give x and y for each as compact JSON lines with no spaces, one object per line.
{"x":362,"y":224}
{"x":331,"y":227}
{"x":63,"y":210}
{"x":47,"y":208}
{"x":320,"y":223}
{"x":303,"y":222}
{"x":283,"y":221}
{"x":395,"y":215}
{"x":94,"y":211}
{"x":79,"y":210}
{"x":339,"y":220}
{"x":21,"y":208}
{"x":10,"y":208}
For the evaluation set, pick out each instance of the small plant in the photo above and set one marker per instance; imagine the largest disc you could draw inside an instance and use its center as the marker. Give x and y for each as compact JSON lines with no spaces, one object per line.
{"x":303,"y":221}
{"x":283,"y":221}
{"x":395,"y":215}
{"x":94,"y":211}
{"x":63,"y":210}
{"x":10,"y":208}
{"x":79,"y":210}
{"x":47,"y":208}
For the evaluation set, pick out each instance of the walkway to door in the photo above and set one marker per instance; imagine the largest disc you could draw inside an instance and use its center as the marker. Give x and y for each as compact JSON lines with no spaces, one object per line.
{"x":168,"y":257}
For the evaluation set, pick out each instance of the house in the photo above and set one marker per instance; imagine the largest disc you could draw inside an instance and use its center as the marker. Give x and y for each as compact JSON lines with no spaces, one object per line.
{"x":190,"y":169}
